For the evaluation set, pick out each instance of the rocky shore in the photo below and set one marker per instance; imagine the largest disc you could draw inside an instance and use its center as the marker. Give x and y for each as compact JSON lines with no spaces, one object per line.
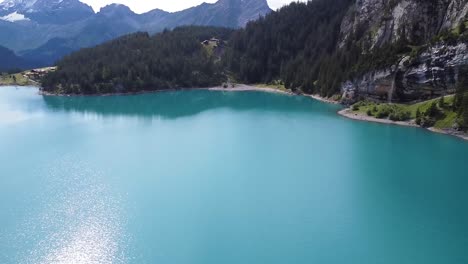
{"x":244,"y":87}
{"x":361,"y":117}
{"x":348,"y":113}
{"x":236,"y":88}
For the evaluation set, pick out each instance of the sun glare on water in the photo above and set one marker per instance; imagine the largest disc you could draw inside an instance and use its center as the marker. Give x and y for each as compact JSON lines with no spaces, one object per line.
{"x":82,"y":223}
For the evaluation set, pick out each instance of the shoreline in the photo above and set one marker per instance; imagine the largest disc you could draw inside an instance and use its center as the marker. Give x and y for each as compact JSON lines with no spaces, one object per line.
{"x":347,"y":113}
{"x":237,"y":88}
{"x":36,"y":85}
{"x":452,"y":133}
{"x":322,"y":99}
{"x":247,"y":88}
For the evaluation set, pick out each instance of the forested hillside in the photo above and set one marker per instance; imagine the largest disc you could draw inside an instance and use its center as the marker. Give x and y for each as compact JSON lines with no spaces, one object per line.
{"x":324,"y":47}
{"x":291,"y":45}
{"x":317,"y":46}
{"x":138,"y":62}
{"x":10,"y":61}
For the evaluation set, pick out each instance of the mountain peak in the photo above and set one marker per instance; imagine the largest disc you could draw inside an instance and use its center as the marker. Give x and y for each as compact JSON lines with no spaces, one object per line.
{"x":243,"y":11}
{"x":9,"y":6}
{"x":114,"y":10}
{"x":46,"y":11}
{"x":113,"y":7}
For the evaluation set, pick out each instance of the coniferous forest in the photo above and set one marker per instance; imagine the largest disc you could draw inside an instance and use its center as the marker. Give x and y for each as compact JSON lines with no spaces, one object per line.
{"x":139,"y":62}
{"x":297,"y":45}
{"x":291,"y":45}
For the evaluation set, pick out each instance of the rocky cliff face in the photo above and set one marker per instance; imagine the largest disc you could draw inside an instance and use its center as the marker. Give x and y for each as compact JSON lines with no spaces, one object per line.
{"x":379,"y":22}
{"x":433,"y":72}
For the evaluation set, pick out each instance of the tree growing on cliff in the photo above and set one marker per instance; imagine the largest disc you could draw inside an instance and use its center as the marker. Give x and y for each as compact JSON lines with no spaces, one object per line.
{"x":418,"y":117}
{"x":460,"y":105}
{"x":464,"y":114}
{"x":462,"y":90}
{"x":433,"y":110}
{"x":442,"y":102}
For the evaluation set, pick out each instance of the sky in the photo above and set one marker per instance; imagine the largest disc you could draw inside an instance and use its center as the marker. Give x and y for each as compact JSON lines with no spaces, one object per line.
{"x":141,"y":6}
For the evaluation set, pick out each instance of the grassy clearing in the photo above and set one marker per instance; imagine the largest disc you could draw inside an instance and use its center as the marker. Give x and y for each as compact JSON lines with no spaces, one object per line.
{"x":447,"y":121}
{"x":444,"y":118}
{"x":14,"y":79}
{"x":276,"y":86}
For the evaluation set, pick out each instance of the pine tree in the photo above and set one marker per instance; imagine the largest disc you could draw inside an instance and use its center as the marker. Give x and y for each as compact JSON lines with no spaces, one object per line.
{"x":432,"y":111}
{"x":464,"y":113}
{"x":462,"y":89}
{"x":442,"y":102}
{"x":418,"y":117}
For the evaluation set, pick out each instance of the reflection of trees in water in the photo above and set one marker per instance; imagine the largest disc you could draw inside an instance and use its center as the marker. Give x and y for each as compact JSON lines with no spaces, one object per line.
{"x":180,"y":103}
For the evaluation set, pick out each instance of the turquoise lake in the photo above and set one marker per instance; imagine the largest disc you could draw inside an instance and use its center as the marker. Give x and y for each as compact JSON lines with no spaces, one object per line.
{"x":204,"y":177}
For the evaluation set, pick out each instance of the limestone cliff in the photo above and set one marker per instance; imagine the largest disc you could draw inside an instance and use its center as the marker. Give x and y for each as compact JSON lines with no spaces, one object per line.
{"x":431,"y":71}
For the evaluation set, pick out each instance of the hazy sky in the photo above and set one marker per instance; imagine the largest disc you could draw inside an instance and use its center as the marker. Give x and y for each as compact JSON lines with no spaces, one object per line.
{"x":141,"y":6}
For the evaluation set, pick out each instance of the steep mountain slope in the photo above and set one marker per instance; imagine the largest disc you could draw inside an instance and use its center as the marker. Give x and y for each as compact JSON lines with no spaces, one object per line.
{"x":52,"y":51}
{"x":383,"y":22}
{"x":29,"y":26}
{"x":429,"y":41}
{"x":59,"y":11}
{"x":226,"y":13}
{"x":10,"y":61}
{"x":45,"y":11}
{"x":11,"y":6}
{"x":392,"y":50}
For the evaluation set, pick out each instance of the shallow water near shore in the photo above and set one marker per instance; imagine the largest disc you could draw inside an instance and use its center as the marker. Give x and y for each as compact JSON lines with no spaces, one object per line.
{"x":223,"y":177}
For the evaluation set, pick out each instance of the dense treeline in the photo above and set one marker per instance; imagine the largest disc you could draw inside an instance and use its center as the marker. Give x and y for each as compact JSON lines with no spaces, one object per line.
{"x":138,"y":62}
{"x":297,"y":46}
{"x":290,"y":45}
{"x":461,"y":99}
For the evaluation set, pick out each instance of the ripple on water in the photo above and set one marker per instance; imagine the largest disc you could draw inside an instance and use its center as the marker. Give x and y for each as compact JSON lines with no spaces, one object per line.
{"x":81,"y":220}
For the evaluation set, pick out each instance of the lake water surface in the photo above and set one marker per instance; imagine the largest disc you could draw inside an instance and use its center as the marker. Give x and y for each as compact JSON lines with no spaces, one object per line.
{"x":200,"y":177}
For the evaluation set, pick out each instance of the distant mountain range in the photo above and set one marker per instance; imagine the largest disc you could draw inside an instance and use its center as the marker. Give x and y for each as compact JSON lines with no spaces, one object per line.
{"x":43,"y":31}
{"x":10,"y":61}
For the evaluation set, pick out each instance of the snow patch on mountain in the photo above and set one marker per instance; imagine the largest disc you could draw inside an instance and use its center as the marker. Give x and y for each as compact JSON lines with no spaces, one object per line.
{"x":14,"y":17}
